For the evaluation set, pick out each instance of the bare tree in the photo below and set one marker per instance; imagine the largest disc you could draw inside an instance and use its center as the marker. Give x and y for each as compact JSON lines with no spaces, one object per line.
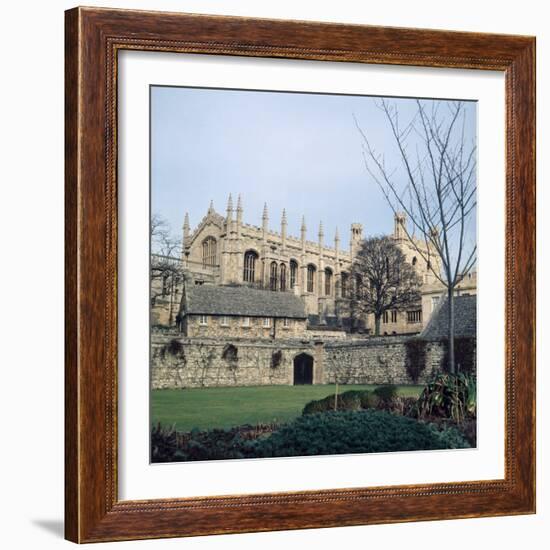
{"x":382,"y":280}
{"x":166,"y":268}
{"x":437,"y":190}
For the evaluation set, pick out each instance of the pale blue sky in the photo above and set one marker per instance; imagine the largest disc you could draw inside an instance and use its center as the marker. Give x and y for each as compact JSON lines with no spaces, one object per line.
{"x":296,"y":151}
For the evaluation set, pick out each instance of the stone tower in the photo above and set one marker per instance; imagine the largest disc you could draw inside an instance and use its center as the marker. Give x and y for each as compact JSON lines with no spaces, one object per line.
{"x":355,"y":238}
{"x":399,"y":221}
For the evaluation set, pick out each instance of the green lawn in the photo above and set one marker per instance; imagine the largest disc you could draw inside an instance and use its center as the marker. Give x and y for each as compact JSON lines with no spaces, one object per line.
{"x":206,"y":408}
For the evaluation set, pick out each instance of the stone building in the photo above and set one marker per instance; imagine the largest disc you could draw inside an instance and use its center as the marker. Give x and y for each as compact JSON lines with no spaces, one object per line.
{"x":259,"y":357}
{"x":223,"y":250}
{"x":434,"y":292}
{"x":209,"y":311}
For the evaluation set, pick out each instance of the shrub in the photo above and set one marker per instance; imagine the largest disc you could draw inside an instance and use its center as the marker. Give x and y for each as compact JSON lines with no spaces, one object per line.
{"x":352,"y":400}
{"x":450,"y":437}
{"x":448,"y":396}
{"x":163,"y":443}
{"x":386,"y":392}
{"x":343,"y":432}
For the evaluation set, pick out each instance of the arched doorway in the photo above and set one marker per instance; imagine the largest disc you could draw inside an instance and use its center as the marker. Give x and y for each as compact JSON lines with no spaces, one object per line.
{"x":303,"y":369}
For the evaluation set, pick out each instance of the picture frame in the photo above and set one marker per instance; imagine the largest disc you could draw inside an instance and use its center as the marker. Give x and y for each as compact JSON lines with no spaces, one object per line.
{"x":93,"y":511}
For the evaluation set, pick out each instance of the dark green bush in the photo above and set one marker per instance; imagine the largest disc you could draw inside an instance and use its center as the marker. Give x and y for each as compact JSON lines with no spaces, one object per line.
{"x":386,"y":392}
{"x":449,"y":436}
{"x":344,"y":432}
{"x":352,"y":400}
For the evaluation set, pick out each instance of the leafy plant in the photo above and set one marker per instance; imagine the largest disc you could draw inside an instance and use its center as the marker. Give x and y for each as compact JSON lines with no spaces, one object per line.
{"x":448,"y":395}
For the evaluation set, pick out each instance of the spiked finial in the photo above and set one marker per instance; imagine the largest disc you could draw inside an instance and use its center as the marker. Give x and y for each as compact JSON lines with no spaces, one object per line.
{"x":239,"y":204}
{"x":303,"y":223}
{"x":336,"y":236}
{"x":186,"y":221}
{"x":321,"y":233}
{"x":230,"y":203}
{"x":283,"y":218}
{"x":211,"y":207}
{"x":265,"y":215}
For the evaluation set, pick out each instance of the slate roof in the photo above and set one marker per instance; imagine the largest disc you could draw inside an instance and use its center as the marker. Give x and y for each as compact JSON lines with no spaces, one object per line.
{"x":465,"y":319}
{"x":242,"y":301}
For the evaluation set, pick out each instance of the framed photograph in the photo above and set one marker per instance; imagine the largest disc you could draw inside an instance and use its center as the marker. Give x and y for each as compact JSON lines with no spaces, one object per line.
{"x":300,"y":275}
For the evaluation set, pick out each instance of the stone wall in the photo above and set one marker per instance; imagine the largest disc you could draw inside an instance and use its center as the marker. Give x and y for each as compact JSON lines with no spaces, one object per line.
{"x":182,"y":362}
{"x":378,"y":361}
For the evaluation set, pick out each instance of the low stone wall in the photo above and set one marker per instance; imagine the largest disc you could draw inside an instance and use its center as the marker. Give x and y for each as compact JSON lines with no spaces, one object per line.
{"x":378,"y":361}
{"x":181,"y":362}
{"x":193,"y":363}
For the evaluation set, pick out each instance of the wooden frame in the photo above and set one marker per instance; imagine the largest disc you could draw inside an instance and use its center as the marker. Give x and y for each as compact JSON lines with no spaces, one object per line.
{"x":93,"y":38}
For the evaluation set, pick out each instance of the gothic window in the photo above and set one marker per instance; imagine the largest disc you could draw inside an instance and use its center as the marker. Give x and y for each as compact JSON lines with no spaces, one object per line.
{"x":209,"y":252}
{"x":385,"y":317}
{"x":273,"y":276}
{"x":414,"y":261}
{"x":282,"y":277}
{"x":311,"y":269}
{"x":328,"y":281}
{"x":293,"y":273}
{"x":249,"y":275}
{"x":344,"y":284}
{"x":394,"y":316}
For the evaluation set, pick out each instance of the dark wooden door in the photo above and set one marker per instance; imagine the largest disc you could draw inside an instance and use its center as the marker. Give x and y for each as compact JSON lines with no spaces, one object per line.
{"x":303,"y":369}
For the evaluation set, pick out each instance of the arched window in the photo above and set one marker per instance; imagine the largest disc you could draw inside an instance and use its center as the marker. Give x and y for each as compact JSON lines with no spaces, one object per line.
{"x":273,"y":276}
{"x":293,"y":273}
{"x":414,"y":261}
{"x":328,"y":281}
{"x":311,"y":269}
{"x":344,"y":284}
{"x":282,"y":277}
{"x":249,"y":274}
{"x":209,"y":252}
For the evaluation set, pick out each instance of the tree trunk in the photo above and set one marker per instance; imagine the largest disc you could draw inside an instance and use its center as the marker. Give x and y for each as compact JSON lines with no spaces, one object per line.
{"x":377,"y":324}
{"x":451,"y":326}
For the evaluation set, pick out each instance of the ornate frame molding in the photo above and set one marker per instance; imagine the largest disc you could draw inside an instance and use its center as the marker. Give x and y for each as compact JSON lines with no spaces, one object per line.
{"x":93,"y":38}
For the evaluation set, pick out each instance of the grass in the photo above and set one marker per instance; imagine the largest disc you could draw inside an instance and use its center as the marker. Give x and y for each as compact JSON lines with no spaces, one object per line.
{"x":206,"y":408}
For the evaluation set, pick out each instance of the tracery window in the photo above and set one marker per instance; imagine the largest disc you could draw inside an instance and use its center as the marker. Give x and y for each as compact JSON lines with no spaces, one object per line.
{"x":311,"y":270}
{"x":249,"y":274}
{"x":273,"y":276}
{"x":293,"y":273}
{"x":209,"y":250}
{"x":328,"y":281}
{"x":282,"y":277}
